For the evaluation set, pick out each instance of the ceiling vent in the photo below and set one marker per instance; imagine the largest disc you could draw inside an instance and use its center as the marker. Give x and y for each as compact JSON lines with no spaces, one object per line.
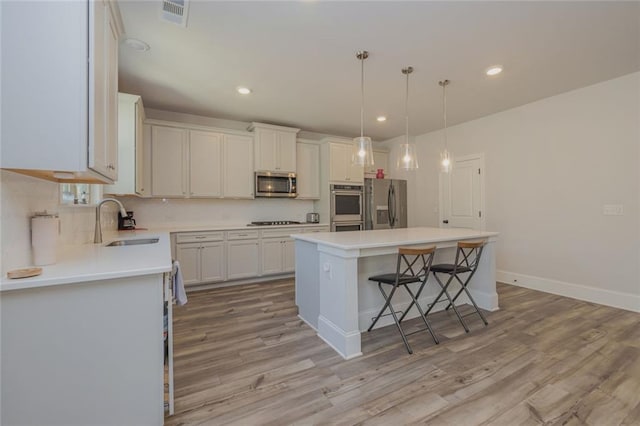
{"x":175,"y":11}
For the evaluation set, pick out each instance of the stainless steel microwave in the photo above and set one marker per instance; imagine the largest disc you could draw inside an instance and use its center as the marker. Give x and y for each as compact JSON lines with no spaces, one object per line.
{"x":270,"y":184}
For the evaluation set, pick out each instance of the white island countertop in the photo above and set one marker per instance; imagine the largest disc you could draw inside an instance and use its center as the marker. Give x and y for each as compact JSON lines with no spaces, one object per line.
{"x":391,"y":237}
{"x":93,"y":262}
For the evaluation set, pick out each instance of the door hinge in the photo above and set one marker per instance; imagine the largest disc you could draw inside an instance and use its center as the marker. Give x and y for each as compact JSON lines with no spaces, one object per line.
{"x":479,"y":213}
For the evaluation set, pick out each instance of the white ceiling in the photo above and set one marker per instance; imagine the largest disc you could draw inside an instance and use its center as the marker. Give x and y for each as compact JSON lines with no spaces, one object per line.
{"x":299,"y":58}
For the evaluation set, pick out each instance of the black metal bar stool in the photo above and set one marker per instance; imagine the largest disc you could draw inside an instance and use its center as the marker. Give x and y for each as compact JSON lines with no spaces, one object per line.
{"x":413,"y":266}
{"x":467,"y":260}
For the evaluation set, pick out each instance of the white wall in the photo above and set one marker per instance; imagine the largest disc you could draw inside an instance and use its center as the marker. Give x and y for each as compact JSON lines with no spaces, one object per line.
{"x":550,"y":167}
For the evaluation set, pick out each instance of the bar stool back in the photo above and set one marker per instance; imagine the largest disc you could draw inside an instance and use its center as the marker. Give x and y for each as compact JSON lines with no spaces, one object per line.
{"x":468,"y":257}
{"x":413,"y":266}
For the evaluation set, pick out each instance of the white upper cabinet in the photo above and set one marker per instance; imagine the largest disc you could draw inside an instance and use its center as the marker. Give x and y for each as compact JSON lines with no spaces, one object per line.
{"x":341,"y":168}
{"x":59,"y":89}
{"x":205,"y":164}
{"x":200,"y":164}
{"x":169,"y":148}
{"x":238,"y":166}
{"x":308,"y":165}
{"x":380,"y":161}
{"x":131,"y":151}
{"x":274,"y":148}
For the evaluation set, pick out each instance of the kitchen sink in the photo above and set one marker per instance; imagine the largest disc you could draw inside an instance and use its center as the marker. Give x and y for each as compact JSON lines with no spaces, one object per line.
{"x":134,"y":242}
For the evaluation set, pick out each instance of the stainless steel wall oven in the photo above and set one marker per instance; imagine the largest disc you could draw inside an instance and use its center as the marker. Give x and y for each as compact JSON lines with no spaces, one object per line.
{"x":346,"y":207}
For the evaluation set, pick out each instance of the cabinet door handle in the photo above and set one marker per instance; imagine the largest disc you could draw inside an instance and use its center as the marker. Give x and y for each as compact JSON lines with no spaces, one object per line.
{"x":200,"y":237}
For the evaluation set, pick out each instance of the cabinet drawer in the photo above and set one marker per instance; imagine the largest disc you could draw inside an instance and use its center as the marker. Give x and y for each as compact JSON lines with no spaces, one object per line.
{"x":317,"y":229}
{"x":197,"y":237}
{"x":242,"y":235}
{"x":280,"y":233}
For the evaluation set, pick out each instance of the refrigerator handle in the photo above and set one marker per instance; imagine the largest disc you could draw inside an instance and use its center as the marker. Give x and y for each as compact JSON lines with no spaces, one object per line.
{"x":392,"y":206}
{"x":389,"y":212}
{"x":368,"y":208}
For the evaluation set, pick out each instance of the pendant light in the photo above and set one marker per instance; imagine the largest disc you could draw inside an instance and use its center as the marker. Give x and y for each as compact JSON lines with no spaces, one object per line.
{"x":445,"y":157}
{"x":362,"y":149}
{"x":407,"y":160}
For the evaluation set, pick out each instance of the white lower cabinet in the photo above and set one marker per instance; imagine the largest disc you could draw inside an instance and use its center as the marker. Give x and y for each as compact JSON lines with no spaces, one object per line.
{"x":189,"y":257}
{"x":201,"y":256}
{"x":289,"y":255}
{"x":216,"y":256}
{"x":243,"y":259}
{"x":278,"y":250}
{"x":272,"y":256}
{"x":212,"y":262}
{"x":278,"y":256}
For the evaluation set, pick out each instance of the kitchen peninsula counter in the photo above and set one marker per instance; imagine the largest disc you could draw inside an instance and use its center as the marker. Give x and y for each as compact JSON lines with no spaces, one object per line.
{"x":84,"y":263}
{"x":83,"y":342}
{"x":334,"y":295}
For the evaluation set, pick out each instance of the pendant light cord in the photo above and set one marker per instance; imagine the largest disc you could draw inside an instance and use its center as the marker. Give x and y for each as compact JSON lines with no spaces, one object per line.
{"x":444,"y":111}
{"x":406,"y":109}
{"x":362,"y":96}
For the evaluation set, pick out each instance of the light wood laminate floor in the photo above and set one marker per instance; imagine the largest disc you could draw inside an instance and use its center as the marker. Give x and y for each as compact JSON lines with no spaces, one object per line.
{"x":243,"y":357}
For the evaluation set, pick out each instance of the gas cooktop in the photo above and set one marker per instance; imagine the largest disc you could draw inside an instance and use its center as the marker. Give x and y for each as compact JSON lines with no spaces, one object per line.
{"x":274,"y":222}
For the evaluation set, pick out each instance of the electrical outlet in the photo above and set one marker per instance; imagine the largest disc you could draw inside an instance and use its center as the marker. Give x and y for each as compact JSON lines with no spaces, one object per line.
{"x":613,"y":210}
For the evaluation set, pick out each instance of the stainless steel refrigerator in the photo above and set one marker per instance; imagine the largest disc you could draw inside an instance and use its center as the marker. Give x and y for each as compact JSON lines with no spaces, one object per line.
{"x":385,"y":203}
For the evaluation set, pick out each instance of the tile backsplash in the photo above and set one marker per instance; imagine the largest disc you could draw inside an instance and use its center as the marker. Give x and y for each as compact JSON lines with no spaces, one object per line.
{"x":21,"y":196}
{"x":171,"y":213}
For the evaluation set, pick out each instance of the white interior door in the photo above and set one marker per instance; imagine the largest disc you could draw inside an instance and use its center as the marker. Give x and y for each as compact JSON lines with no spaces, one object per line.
{"x":462,"y":194}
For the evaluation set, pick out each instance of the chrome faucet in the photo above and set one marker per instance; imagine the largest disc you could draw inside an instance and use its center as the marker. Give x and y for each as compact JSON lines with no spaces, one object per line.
{"x":97,"y":236}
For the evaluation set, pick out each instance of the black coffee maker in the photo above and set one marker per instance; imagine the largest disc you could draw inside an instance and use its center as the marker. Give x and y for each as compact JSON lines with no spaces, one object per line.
{"x":126,"y":222}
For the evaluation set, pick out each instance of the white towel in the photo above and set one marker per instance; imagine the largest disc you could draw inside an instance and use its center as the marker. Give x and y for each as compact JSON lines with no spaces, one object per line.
{"x":178,"y":284}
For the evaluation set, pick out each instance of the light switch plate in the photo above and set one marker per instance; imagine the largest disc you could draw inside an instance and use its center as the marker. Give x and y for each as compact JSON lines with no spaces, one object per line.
{"x":613,"y":209}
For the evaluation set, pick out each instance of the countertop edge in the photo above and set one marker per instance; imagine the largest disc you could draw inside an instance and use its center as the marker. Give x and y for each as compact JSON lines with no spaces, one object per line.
{"x":84,"y":278}
{"x":314,"y":238}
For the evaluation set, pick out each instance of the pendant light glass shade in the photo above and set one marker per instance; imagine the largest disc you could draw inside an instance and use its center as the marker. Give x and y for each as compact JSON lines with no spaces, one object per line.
{"x":407,"y":158}
{"x":362,"y":148}
{"x":445,"y":161}
{"x":445,"y":156}
{"x":362,"y":151}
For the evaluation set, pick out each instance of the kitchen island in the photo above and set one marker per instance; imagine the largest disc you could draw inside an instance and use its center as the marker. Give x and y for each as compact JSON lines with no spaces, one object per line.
{"x":334,"y":295}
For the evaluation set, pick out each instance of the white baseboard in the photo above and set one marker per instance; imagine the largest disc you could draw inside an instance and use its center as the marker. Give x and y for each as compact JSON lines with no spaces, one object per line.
{"x":616,"y":299}
{"x":346,"y":344}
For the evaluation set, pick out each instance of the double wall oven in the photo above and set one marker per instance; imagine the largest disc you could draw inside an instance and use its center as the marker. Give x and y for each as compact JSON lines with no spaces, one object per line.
{"x":346,"y":208}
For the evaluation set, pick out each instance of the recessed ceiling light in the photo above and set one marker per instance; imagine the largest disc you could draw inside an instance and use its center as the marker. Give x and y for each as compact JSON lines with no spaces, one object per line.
{"x":244,"y":90}
{"x":381,"y":118}
{"x":136,"y":44}
{"x":494,"y":70}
